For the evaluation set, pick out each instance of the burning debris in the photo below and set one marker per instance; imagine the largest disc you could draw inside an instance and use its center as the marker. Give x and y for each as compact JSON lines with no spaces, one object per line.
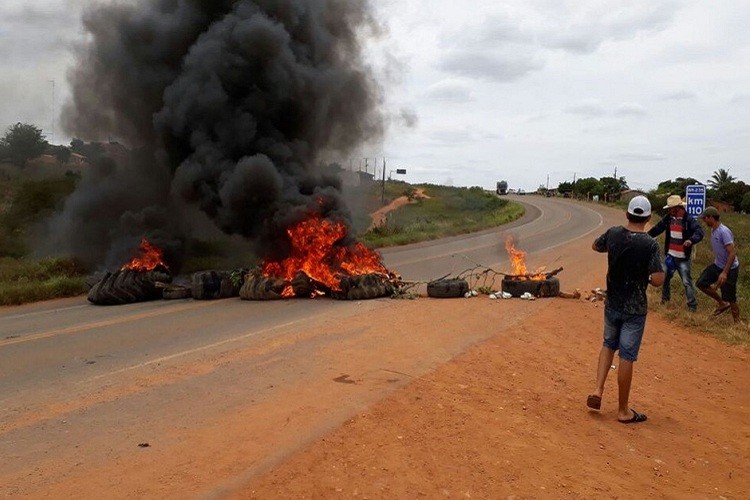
{"x":519,"y":283}
{"x":321,"y":262}
{"x":140,"y":280}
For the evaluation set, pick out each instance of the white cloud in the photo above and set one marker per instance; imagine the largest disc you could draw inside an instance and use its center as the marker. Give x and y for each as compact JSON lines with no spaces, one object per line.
{"x":630,"y":109}
{"x":589,"y":108}
{"x":450,"y":91}
{"x":494,"y":66}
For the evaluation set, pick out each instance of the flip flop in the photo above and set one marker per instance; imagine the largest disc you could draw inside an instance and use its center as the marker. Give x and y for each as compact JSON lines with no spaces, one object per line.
{"x":637,"y":417}
{"x":721,"y":309}
{"x":594,"y":402}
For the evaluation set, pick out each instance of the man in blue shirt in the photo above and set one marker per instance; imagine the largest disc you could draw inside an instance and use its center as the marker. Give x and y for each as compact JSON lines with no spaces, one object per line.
{"x":722,"y":274}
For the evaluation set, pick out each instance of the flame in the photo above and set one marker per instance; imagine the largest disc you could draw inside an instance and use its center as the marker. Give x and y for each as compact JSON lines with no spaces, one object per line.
{"x":149,"y":259}
{"x":316,"y":250}
{"x":518,"y":262}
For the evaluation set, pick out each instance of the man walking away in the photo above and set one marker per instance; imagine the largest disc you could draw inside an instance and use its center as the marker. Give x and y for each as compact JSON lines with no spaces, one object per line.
{"x":634,"y":261}
{"x":682,"y":232}
{"x":725,"y":270}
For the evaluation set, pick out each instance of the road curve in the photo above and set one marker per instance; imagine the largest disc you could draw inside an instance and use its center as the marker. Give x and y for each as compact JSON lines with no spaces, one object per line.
{"x":81,"y":385}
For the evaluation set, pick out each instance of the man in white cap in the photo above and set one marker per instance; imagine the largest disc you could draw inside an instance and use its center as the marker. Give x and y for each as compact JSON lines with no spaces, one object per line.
{"x":634,"y":262}
{"x":682,"y":231}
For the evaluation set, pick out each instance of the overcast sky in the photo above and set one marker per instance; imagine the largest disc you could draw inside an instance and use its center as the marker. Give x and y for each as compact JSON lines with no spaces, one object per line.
{"x":517,"y":90}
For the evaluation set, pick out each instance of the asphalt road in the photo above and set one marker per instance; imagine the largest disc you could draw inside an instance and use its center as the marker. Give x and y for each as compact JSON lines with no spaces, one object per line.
{"x":80,"y":384}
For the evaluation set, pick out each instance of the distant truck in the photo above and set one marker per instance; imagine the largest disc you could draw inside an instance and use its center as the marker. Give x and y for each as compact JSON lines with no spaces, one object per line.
{"x":502,"y":187}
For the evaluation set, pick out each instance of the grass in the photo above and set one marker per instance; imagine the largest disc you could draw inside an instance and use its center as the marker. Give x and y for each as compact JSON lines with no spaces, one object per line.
{"x":31,"y":280}
{"x":721,"y":327}
{"x":447,"y":211}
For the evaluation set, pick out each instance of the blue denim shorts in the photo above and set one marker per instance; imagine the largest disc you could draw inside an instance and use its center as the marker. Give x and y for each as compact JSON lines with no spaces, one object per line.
{"x":623,"y":332}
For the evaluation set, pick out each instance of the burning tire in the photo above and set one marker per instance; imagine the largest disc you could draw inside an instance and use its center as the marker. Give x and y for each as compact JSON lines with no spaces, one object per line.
{"x":549,"y":287}
{"x":447,"y":288}
{"x":258,"y":287}
{"x":212,"y":285}
{"x":367,"y":286}
{"x":127,"y":287}
{"x":176,"y":292}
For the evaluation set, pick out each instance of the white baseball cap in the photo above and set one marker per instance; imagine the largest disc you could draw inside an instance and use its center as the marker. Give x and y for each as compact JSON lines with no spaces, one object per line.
{"x":639,"y":206}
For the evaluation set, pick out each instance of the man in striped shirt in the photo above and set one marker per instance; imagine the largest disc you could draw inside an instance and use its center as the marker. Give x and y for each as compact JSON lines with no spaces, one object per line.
{"x":681,"y":232}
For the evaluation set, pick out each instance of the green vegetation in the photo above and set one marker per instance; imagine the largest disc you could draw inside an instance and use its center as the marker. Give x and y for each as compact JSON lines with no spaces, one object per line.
{"x":24,"y":280}
{"x":721,"y":327}
{"x":24,"y":204}
{"x":21,"y":143}
{"x":443,"y":211}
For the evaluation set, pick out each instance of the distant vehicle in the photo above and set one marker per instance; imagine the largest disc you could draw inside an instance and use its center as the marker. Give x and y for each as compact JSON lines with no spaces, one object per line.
{"x":521,"y":191}
{"x":502,"y":187}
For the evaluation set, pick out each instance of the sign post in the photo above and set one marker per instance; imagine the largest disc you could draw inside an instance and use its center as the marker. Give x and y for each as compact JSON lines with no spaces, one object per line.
{"x":695,"y":198}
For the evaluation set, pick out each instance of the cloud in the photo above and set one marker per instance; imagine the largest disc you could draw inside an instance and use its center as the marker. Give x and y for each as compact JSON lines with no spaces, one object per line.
{"x":584,"y":31}
{"x":590,"y":108}
{"x":680,"y":95}
{"x":485,"y":65}
{"x":639,"y":157}
{"x":450,"y":91}
{"x":630,"y":109}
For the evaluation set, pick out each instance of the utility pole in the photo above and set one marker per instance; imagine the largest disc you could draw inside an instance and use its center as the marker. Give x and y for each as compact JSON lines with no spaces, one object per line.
{"x":615,"y":172}
{"x":53,"y":109}
{"x":547,"y":182}
{"x":382,"y":195}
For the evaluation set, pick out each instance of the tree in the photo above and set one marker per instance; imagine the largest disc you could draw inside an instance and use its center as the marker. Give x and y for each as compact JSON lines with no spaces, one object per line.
{"x":678,"y":186}
{"x":23,"y":142}
{"x":720,"y":182}
{"x":565,"y":188}
{"x":612,"y":187}
{"x":735,"y":194}
{"x":588,"y":186}
{"x":93,"y":151}
{"x":745,"y":206}
{"x":61,"y":153}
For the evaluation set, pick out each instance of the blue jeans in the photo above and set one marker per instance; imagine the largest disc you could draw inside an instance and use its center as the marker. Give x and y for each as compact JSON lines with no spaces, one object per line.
{"x":623,"y":332}
{"x":683,"y":268}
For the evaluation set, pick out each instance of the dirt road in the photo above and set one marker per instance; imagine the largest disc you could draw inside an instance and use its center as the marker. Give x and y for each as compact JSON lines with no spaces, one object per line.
{"x":505,"y":417}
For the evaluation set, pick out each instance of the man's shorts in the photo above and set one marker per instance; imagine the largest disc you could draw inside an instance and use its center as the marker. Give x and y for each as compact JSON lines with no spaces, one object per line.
{"x":623,"y":332}
{"x":711,"y":274}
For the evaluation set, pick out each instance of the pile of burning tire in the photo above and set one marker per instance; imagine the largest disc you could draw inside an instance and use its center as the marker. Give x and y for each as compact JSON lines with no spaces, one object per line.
{"x":131,"y":286}
{"x":366,"y":286}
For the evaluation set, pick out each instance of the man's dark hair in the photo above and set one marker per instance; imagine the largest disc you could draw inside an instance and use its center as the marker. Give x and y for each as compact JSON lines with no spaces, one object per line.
{"x":637,"y":219}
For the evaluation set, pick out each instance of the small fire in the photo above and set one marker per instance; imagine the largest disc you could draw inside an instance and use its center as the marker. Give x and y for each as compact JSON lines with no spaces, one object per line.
{"x":316,"y":251}
{"x":149,"y":259}
{"x":518,"y":261}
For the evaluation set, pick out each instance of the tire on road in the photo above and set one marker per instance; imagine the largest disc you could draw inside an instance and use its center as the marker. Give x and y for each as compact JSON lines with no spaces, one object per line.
{"x":364,"y":287}
{"x":549,"y":287}
{"x":212,"y":285}
{"x":127,"y":287}
{"x":447,"y":288}
{"x":258,"y":287}
{"x":176,"y":292}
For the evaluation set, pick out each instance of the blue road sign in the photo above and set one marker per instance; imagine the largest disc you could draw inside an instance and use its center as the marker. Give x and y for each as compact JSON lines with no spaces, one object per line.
{"x":695,"y":198}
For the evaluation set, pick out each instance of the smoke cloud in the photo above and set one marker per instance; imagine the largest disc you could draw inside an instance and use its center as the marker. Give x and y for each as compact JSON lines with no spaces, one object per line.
{"x":227,"y":106}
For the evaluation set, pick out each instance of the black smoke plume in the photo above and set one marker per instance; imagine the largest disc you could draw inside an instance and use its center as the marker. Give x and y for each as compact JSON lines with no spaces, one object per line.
{"x":227,"y":106}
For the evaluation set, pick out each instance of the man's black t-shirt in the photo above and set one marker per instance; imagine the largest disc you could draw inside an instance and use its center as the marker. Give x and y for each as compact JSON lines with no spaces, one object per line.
{"x":632,"y":257}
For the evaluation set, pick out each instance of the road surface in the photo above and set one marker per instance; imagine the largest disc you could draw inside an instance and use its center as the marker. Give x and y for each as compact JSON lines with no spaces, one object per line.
{"x":141,"y":400}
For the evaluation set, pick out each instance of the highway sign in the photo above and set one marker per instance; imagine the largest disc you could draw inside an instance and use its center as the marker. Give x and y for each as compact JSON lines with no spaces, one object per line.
{"x":401,"y":171}
{"x":695,"y":199}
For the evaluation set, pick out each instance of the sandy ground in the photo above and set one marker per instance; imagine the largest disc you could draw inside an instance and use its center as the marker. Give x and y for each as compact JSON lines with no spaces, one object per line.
{"x":507,"y":419}
{"x":379,"y":216}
